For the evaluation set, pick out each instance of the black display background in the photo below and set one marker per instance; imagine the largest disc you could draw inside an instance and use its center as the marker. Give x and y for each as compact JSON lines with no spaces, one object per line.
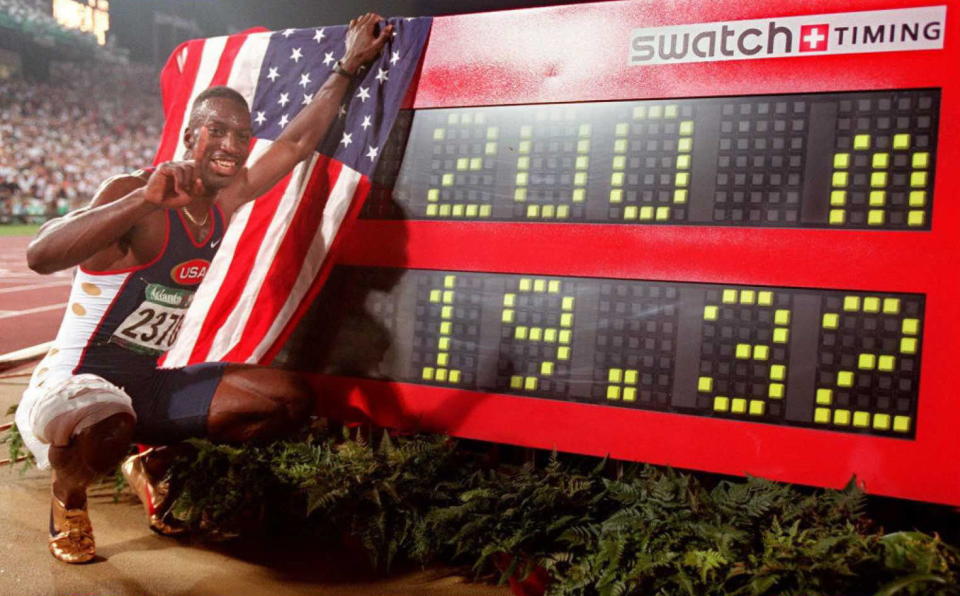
{"x":774,"y":355}
{"x":769,"y":161}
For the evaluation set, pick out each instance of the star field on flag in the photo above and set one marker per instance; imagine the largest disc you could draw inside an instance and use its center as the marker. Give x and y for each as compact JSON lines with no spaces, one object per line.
{"x":298,"y":61}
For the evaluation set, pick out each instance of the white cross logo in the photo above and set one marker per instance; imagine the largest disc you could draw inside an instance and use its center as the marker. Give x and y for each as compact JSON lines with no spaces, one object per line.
{"x":813,"y":38}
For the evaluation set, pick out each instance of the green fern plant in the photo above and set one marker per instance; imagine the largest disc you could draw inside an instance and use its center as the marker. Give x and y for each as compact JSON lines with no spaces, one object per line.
{"x":14,"y":442}
{"x":642,"y":530}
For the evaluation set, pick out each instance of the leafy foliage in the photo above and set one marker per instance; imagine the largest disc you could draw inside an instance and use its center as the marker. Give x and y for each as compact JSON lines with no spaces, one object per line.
{"x":595,"y":527}
{"x":370,"y":495}
{"x":507,"y":511}
{"x":15,"y":447}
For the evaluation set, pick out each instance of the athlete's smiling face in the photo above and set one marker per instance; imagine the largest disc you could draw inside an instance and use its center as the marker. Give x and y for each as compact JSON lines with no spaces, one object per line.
{"x":218,"y":140}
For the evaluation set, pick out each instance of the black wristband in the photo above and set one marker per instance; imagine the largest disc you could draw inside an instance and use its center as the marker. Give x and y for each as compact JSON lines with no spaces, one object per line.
{"x":340,"y":70}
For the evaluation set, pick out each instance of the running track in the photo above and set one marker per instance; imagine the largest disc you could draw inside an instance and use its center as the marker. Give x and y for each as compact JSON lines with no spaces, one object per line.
{"x":31,"y":305}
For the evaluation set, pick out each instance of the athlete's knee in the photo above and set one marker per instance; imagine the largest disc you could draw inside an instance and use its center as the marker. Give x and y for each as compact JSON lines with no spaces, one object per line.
{"x":82,"y":406}
{"x":255,"y":403}
{"x":297,"y":399}
{"x":95,"y":450}
{"x":289,"y":395}
{"x":105,"y":443}
{"x":290,"y":406}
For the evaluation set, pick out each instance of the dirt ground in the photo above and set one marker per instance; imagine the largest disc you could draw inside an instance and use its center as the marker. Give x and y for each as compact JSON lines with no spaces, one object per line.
{"x":136,"y":562}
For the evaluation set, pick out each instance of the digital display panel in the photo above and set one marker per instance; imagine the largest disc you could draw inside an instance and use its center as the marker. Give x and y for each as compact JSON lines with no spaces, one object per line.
{"x":854,"y":160}
{"x":830,"y":359}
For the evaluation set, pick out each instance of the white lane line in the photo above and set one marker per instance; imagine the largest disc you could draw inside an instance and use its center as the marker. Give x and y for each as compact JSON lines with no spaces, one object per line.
{"x":30,"y":311}
{"x":62,"y":284}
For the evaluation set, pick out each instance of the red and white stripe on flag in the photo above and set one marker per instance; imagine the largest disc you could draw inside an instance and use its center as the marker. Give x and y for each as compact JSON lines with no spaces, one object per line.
{"x":273,"y":258}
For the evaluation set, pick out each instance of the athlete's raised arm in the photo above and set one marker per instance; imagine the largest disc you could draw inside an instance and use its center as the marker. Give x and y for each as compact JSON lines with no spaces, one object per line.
{"x":308,"y":128}
{"x":101,"y":235}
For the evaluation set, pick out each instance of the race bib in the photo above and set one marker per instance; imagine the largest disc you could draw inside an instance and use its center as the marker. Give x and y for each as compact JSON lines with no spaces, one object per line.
{"x":153,"y":326}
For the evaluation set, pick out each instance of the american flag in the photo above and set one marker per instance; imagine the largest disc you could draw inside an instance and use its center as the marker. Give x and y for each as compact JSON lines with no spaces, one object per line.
{"x":277,"y":251}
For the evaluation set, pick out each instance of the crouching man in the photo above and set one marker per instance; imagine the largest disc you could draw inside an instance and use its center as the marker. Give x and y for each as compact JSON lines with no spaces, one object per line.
{"x":99,"y":389}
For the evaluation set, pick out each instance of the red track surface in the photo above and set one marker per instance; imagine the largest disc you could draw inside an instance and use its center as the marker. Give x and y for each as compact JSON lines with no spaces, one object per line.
{"x":31,"y":305}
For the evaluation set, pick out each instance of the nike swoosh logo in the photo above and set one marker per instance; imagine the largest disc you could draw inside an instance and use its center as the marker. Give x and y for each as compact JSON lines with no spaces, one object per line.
{"x":215,"y":243}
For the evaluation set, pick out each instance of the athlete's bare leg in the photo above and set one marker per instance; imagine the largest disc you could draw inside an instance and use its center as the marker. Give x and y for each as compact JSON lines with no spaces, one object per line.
{"x":258,"y":403}
{"x":95,"y":451}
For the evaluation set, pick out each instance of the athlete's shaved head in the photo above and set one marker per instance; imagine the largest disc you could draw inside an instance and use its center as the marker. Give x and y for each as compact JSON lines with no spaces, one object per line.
{"x":219,"y":91}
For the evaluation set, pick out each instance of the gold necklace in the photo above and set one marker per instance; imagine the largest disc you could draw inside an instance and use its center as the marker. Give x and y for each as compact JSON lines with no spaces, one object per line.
{"x":198,"y":223}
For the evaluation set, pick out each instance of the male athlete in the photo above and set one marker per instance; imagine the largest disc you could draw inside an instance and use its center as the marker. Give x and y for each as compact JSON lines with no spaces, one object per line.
{"x":142,"y":245}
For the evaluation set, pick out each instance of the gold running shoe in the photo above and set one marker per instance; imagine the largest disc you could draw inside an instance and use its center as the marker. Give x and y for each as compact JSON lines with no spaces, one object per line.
{"x":153,"y":494}
{"x":71,"y":534}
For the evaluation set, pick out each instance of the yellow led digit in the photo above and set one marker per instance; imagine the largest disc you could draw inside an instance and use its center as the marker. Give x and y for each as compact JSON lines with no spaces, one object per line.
{"x":553,"y":349}
{"x":857,"y":340}
{"x":885,"y":155}
{"x":448,"y":203}
{"x":763,"y":362}
{"x":439,"y":369}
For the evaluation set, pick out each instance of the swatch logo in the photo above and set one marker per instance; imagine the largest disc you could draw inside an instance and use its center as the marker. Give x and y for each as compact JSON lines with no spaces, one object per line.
{"x":894,"y":30}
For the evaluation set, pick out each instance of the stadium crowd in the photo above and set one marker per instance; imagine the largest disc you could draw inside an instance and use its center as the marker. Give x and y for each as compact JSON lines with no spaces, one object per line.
{"x":60,"y":139}
{"x":34,"y":16}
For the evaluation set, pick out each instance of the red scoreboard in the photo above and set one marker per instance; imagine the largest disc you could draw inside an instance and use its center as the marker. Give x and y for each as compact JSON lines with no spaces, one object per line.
{"x":716,"y":236}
